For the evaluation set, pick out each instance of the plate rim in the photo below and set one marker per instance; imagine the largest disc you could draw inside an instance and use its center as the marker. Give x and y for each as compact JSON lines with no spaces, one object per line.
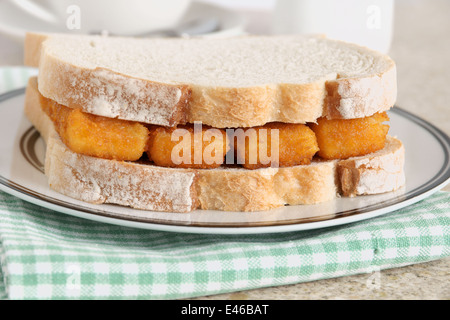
{"x":433,"y":185}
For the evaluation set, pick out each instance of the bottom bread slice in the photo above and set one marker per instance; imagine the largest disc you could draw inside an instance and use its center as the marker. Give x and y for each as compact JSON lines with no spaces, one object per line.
{"x":148,"y":187}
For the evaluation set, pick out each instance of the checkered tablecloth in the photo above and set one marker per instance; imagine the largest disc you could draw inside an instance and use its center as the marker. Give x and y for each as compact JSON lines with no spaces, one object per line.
{"x":49,"y":255}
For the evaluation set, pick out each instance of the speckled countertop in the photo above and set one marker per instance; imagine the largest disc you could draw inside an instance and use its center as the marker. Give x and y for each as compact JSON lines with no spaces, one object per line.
{"x":426,"y":281}
{"x":421,"y":49}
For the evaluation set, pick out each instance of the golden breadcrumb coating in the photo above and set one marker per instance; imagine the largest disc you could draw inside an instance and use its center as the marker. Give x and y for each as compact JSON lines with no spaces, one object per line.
{"x":97,"y":136}
{"x":184,"y":147}
{"x":203,"y":147}
{"x":342,"y":139}
{"x":285,"y":145}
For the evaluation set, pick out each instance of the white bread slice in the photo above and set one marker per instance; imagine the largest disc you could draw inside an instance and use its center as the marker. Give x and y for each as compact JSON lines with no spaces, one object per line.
{"x":235,"y":82}
{"x":149,"y":187}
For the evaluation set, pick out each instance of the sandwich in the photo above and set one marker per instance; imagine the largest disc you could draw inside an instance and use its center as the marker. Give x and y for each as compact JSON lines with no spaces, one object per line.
{"x":248,"y":124}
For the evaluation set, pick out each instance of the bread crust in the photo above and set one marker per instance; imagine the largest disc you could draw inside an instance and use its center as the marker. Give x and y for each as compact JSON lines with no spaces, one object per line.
{"x":110,"y":94}
{"x":358,"y":98}
{"x":222,"y":107}
{"x":148,"y":187}
{"x":256,"y":106}
{"x":97,"y":181}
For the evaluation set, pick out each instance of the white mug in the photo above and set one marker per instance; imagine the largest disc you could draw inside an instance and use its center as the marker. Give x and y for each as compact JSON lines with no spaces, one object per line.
{"x":124,"y":17}
{"x":365,"y":22}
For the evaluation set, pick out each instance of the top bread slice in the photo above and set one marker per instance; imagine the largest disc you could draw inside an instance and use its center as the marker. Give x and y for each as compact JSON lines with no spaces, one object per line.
{"x":225,"y":83}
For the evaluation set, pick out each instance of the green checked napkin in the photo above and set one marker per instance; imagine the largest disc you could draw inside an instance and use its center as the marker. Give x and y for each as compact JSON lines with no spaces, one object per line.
{"x":49,"y":255}
{"x":15,"y":77}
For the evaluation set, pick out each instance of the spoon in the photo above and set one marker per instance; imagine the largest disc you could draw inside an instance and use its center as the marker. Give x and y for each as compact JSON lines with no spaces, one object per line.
{"x":189,"y":28}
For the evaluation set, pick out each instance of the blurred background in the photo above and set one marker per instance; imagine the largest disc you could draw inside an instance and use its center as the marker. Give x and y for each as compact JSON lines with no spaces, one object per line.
{"x":414,"y":32}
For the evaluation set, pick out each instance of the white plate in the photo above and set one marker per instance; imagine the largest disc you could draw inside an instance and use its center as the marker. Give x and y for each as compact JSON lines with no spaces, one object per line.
{"x":22,"y":153}
{"x":14,"y":23}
